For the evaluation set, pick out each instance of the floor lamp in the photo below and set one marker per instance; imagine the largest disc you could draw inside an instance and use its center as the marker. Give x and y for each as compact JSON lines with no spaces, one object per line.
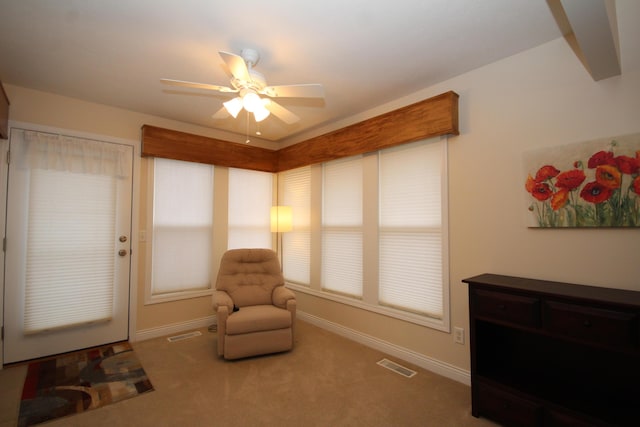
{"x":281,"y":222}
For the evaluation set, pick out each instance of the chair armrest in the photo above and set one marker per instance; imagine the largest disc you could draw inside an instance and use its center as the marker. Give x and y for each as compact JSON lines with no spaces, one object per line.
{"x":291,"y":307}
{"x":281,"y":296}
{"x":222,"y":299}
{"x":221,"y":321}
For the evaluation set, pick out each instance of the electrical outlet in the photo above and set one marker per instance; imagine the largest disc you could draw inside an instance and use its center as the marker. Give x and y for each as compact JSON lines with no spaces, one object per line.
{"x":458,"y":335}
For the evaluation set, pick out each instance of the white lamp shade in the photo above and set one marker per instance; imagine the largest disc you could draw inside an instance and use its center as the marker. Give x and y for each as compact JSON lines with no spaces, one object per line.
{"x":251,"y":102}
{"x":281,"y":219}
{"x":234,"y":106}
{"x":260,"y":114}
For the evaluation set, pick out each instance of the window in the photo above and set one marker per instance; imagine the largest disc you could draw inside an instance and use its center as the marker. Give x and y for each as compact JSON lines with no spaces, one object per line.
{"x":181,"y":241}
{"x":295,"y":187}
{"x":342,"y":226}
{"x":410,"y":231}
{"x":76,"y":214}
{"x":382,"y":237}
{"x":250,"y":200}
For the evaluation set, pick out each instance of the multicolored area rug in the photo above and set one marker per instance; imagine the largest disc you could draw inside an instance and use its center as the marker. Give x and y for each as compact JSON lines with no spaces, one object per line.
{"x":81,"y":381}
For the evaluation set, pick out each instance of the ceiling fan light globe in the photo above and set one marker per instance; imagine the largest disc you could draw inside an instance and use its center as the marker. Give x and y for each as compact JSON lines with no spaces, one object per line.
{"x":233,"y":106}
{"x":260,"y":114}
{"x":252,"y":102}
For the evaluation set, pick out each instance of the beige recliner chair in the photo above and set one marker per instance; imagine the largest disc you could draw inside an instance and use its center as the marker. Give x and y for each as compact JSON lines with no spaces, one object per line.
{"x":255,"y":312}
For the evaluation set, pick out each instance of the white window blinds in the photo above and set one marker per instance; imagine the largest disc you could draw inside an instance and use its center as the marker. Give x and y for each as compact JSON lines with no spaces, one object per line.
{"x":296,"y":189}
{"x":250,"y":201}
{"x":71,"y":229}
{"x":410,"y":231}
{"x":342,"y":226}
{"x":182,"y":226}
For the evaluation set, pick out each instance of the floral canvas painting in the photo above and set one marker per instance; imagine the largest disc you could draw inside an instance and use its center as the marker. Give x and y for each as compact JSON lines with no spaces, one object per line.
{"x":588,"y":184}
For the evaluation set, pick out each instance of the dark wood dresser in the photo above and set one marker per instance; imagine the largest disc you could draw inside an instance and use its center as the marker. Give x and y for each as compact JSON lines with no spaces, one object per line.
{"x":553,"y":354}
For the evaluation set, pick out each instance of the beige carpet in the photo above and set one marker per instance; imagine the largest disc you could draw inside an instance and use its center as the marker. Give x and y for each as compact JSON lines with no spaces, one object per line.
{"x":326,"y":380}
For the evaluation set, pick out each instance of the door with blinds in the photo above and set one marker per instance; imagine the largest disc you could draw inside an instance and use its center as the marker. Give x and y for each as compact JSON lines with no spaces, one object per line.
{"x":67,"y":260}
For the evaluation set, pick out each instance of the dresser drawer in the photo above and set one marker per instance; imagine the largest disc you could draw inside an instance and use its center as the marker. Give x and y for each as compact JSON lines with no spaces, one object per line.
{"x":507,"y":409}
{"x":591,"y":324}
{"x":516,"y":309}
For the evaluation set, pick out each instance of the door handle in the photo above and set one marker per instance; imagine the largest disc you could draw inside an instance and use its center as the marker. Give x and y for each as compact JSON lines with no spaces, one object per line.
{"x":122,"y":252}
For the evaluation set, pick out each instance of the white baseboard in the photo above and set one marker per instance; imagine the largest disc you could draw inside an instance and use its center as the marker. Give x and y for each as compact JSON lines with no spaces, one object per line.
{"x":173,"y":328}
{"x":430,"y":364}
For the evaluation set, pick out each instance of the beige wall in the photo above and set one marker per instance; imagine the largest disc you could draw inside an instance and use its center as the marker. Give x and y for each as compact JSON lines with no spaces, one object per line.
{"x":542,"y":97}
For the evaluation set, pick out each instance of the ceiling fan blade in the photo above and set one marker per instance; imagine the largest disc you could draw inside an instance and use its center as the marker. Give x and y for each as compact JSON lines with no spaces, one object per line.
{"x":237,"y":66}
{"x":222,"y":113}
{"x":280,"y":112}
{"x":182,"y":83}
{"x":312,"y":90}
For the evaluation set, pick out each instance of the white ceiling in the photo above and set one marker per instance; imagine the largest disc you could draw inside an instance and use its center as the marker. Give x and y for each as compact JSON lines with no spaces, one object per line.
{"x":364,"y":52}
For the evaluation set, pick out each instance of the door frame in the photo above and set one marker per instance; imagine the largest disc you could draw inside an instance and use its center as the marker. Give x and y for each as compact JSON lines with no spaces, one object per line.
{"x":135,"y":214}
{"x":4,"y":176}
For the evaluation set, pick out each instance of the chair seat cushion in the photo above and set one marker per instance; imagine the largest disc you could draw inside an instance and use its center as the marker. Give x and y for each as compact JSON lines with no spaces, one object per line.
{"x":256,"y":318}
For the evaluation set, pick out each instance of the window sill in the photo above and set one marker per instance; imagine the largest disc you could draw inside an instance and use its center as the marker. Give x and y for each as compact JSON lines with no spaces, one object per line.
{"x":176,"y":296}
{"x":433,"y":323}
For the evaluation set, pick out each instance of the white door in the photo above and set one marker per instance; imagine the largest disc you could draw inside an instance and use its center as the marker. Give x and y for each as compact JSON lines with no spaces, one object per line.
{"x":67,"y":260}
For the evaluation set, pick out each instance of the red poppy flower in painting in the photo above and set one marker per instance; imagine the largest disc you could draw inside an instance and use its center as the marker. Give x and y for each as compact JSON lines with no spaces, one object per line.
{"x":600,"y":158}
{"x":608,"y":176}
{"x":635,"y":186}
{"x":541,"y":191}
{"x":546,"y":172}
{"x":559,"y":199}
{"x":594,"y":192}
{"x":570,"y":180}
{"x":626,"y":164}
{"x":529,"y":184}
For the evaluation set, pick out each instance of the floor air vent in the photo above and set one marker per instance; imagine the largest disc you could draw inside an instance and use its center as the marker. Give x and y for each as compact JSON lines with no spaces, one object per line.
{"x":399,"y":369}
{"x":184,"y":336}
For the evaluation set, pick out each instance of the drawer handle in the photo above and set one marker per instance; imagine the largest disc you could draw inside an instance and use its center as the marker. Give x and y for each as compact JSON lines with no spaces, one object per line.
{"x":587,"y":323}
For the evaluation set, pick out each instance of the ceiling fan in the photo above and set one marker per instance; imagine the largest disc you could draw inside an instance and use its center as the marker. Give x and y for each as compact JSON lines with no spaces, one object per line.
{"x":249,"y":84}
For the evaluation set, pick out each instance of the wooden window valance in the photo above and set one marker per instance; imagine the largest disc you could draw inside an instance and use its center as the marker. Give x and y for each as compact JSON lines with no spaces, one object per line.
{"x":425,"y":119}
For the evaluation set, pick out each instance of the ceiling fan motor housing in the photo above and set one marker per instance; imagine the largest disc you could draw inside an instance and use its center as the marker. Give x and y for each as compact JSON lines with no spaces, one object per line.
{"x":250,"y":56}
{"x":257,"y":82}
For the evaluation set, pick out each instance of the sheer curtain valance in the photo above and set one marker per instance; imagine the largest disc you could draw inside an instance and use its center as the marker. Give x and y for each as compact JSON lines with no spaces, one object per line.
{"x":66,"y":153}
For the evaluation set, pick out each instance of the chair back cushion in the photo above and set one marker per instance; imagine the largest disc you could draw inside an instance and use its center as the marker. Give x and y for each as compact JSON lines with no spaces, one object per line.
{"x":249,"y":275}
